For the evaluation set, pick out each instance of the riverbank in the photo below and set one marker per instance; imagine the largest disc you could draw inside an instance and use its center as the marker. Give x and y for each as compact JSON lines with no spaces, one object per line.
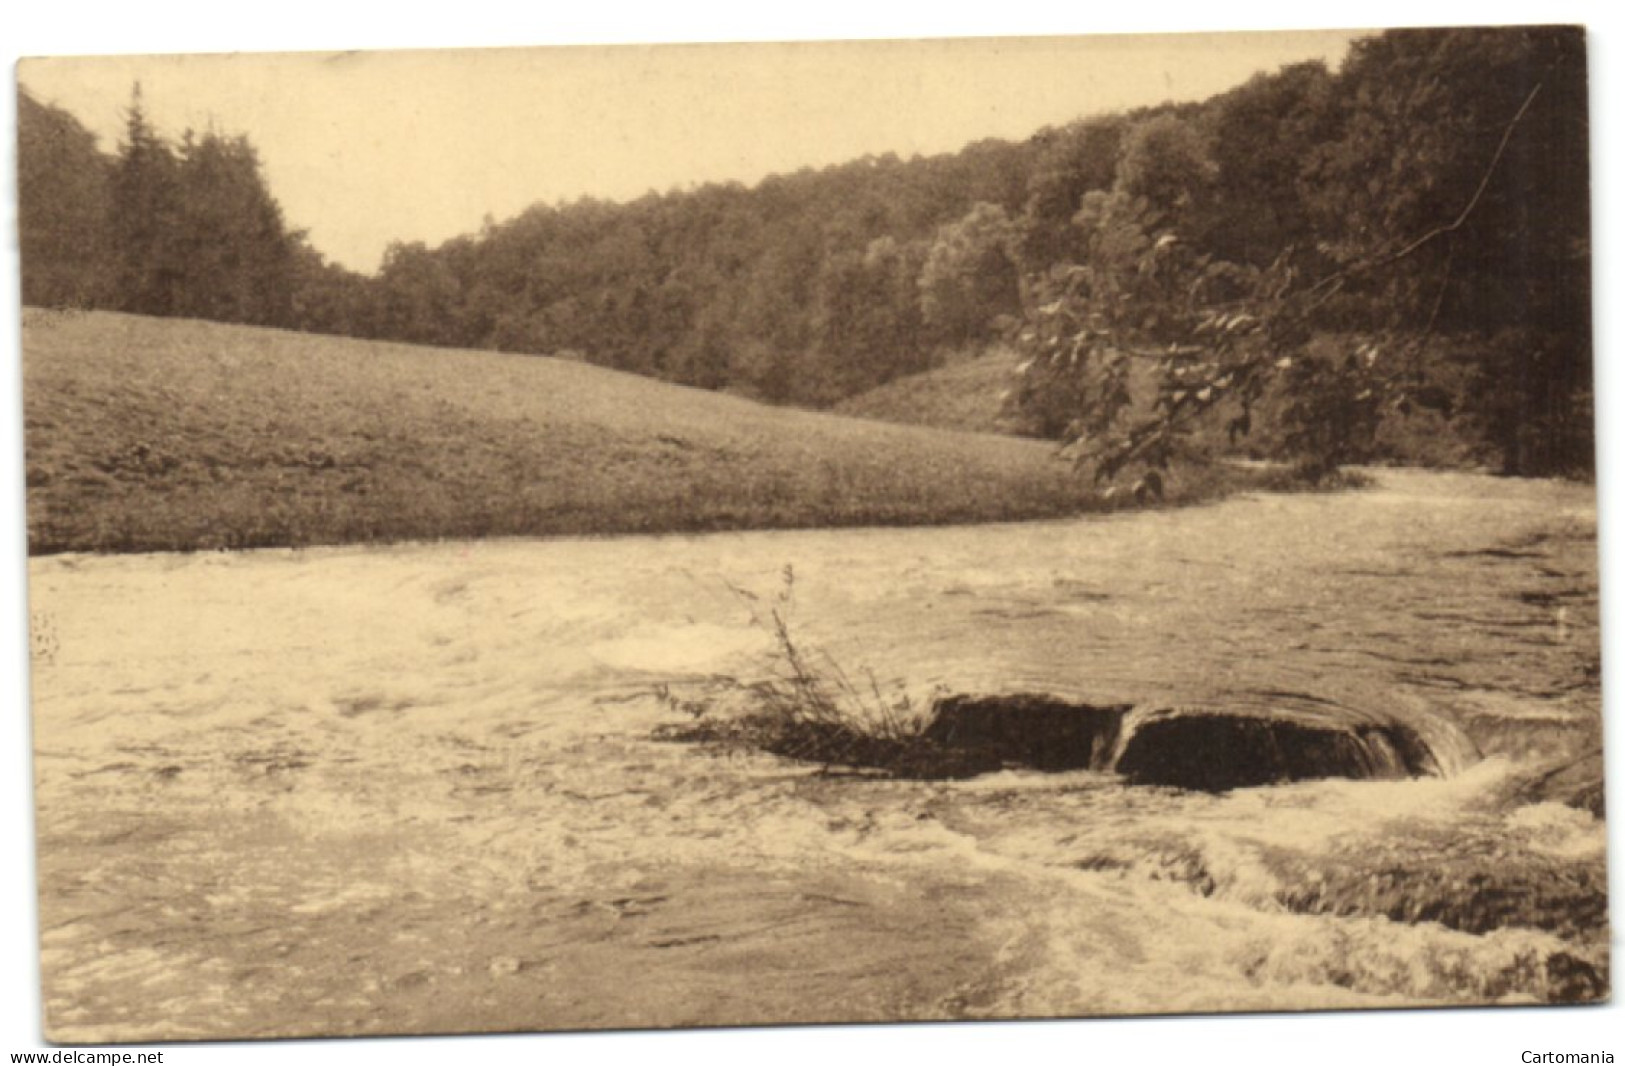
{"x":174,"y":435}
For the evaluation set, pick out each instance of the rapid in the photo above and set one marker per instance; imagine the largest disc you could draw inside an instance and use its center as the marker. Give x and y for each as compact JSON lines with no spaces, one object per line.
{"x":425,"y":788}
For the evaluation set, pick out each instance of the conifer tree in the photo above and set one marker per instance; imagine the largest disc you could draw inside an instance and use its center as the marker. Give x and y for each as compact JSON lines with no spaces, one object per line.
{"x":236,"y":256}
{"x":144,"y":217}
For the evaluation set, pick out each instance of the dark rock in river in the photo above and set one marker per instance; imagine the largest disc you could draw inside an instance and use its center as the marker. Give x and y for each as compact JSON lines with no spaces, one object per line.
{"x":1576,"y":782}
{"x":836,"y":744}
{"x":1476,"y":880}
{"x":1209,"y":750}
{"x":1214,"y":751}
{"x":1041,"y":732}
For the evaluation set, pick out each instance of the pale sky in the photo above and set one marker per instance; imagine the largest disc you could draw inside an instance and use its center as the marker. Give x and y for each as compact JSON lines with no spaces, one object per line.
{"x":363,"y":148}
{"x":1333,"y":1038}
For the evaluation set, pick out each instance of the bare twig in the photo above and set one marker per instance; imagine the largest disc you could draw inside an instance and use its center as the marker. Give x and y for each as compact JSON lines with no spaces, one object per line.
{"x":1460,"y":220}
{"x":1478,"y":194}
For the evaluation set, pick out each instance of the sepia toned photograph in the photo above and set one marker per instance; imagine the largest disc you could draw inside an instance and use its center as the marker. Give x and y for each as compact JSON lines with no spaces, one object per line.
{"x":545,"y":539}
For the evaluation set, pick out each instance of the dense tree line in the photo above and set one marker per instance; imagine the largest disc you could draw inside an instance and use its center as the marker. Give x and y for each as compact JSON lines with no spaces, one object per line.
{"x":186,"y":229}
{"x":1408,"y":233}
{"x":806,"y":288}
{"x":1334,"y":255}
{"x":62,"y":192}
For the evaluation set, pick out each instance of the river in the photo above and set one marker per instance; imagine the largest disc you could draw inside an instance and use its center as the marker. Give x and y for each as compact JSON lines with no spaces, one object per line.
{"x":426,"y":788}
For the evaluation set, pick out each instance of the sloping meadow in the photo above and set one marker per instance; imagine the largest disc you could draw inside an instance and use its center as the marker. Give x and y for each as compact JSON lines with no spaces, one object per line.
{"x":165,"y":435}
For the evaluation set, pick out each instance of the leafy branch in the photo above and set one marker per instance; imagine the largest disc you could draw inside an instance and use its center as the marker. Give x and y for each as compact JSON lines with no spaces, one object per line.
{"x":1217,"y":332}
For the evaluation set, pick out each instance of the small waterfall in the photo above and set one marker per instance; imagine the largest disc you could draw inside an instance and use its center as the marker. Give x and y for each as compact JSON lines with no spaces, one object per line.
{"x":1446,"y":746}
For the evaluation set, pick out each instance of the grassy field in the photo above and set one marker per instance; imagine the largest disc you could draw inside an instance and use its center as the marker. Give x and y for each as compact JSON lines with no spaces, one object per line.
{"x":967,"y":396}
{"x":161,"y":434}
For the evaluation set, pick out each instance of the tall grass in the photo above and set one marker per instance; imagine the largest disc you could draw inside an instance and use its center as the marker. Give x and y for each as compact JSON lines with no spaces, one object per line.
{"x":811,"y":709}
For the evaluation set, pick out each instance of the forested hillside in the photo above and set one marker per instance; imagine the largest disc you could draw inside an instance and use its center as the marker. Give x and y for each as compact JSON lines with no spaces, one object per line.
{"x":1307,"y":258}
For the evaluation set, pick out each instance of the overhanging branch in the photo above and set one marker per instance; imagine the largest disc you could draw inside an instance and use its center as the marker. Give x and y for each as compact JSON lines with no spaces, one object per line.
{"x":1439,"y":231}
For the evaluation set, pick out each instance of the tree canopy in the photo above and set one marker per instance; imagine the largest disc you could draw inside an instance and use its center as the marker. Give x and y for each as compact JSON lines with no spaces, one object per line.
{"x":159,"y":229}
{"x":1300,"y":264}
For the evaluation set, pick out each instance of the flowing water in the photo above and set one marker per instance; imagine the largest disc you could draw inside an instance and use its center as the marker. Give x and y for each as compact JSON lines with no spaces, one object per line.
{"x":423,"y":789}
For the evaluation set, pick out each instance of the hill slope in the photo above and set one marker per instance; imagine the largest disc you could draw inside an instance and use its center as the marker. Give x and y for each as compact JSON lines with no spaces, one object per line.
{"x":967,"y":396}
{"x":163,"y":434}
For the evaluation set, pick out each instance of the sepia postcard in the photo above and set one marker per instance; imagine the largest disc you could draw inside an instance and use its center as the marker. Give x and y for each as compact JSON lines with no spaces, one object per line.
{"x":681,"y":536}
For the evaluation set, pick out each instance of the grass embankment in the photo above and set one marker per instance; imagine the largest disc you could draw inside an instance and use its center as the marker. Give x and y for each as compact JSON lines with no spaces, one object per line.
{"x":967,"y":395}
{"x":162,"y":434}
